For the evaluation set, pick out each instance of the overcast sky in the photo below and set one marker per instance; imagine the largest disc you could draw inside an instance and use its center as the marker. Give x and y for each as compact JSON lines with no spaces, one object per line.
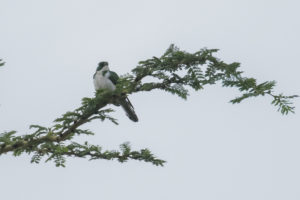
{"x":214,"y":150}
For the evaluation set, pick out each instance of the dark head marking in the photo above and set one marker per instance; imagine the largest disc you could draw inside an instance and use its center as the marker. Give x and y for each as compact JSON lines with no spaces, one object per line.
{"x":101,"y":65}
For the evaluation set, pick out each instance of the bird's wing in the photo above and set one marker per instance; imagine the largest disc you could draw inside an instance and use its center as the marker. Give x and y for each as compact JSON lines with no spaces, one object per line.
{"x":112,"y":76}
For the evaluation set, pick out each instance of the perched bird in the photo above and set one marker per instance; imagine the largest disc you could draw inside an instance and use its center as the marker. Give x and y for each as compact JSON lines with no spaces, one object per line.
{"x":106,"y":79}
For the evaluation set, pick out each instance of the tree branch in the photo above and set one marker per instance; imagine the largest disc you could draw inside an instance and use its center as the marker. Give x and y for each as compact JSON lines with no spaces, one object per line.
{"x":175,"y":72}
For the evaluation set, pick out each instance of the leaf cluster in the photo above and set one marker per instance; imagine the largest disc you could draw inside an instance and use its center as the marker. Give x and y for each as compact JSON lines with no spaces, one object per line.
{"x":55,"y":143}
{"x":177,"y":70}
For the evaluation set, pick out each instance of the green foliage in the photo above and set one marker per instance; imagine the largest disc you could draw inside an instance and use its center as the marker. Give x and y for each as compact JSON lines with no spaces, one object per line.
{"x":50,"y":142}
{"x":202,"y":68}
{"x":284,"y":103}
{"x":57,"y":153}
{"x":175,"y":72}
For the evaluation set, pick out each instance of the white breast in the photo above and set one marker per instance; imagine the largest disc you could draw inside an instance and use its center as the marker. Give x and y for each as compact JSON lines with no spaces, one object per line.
{"x":102,"y":82}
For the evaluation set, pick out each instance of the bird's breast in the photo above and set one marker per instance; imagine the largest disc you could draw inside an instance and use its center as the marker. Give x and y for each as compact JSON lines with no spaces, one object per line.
{"x":102,"y":82}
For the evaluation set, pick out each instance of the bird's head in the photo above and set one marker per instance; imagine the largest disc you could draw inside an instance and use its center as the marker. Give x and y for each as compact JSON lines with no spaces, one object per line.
{"x":102,"y":66}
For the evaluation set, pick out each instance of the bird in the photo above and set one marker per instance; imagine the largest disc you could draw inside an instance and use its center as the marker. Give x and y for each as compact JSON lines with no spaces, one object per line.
{"x":106,"y":79}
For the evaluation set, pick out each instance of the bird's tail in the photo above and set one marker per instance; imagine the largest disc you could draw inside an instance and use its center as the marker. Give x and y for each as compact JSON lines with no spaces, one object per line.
{"x":128,"y":108}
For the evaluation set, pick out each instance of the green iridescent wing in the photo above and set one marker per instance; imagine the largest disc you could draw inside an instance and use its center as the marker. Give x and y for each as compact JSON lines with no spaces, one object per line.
{"x":113,"y":76}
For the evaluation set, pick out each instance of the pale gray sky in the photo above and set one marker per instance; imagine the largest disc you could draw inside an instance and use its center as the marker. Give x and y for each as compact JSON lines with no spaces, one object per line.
{"x":214,"y":150}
